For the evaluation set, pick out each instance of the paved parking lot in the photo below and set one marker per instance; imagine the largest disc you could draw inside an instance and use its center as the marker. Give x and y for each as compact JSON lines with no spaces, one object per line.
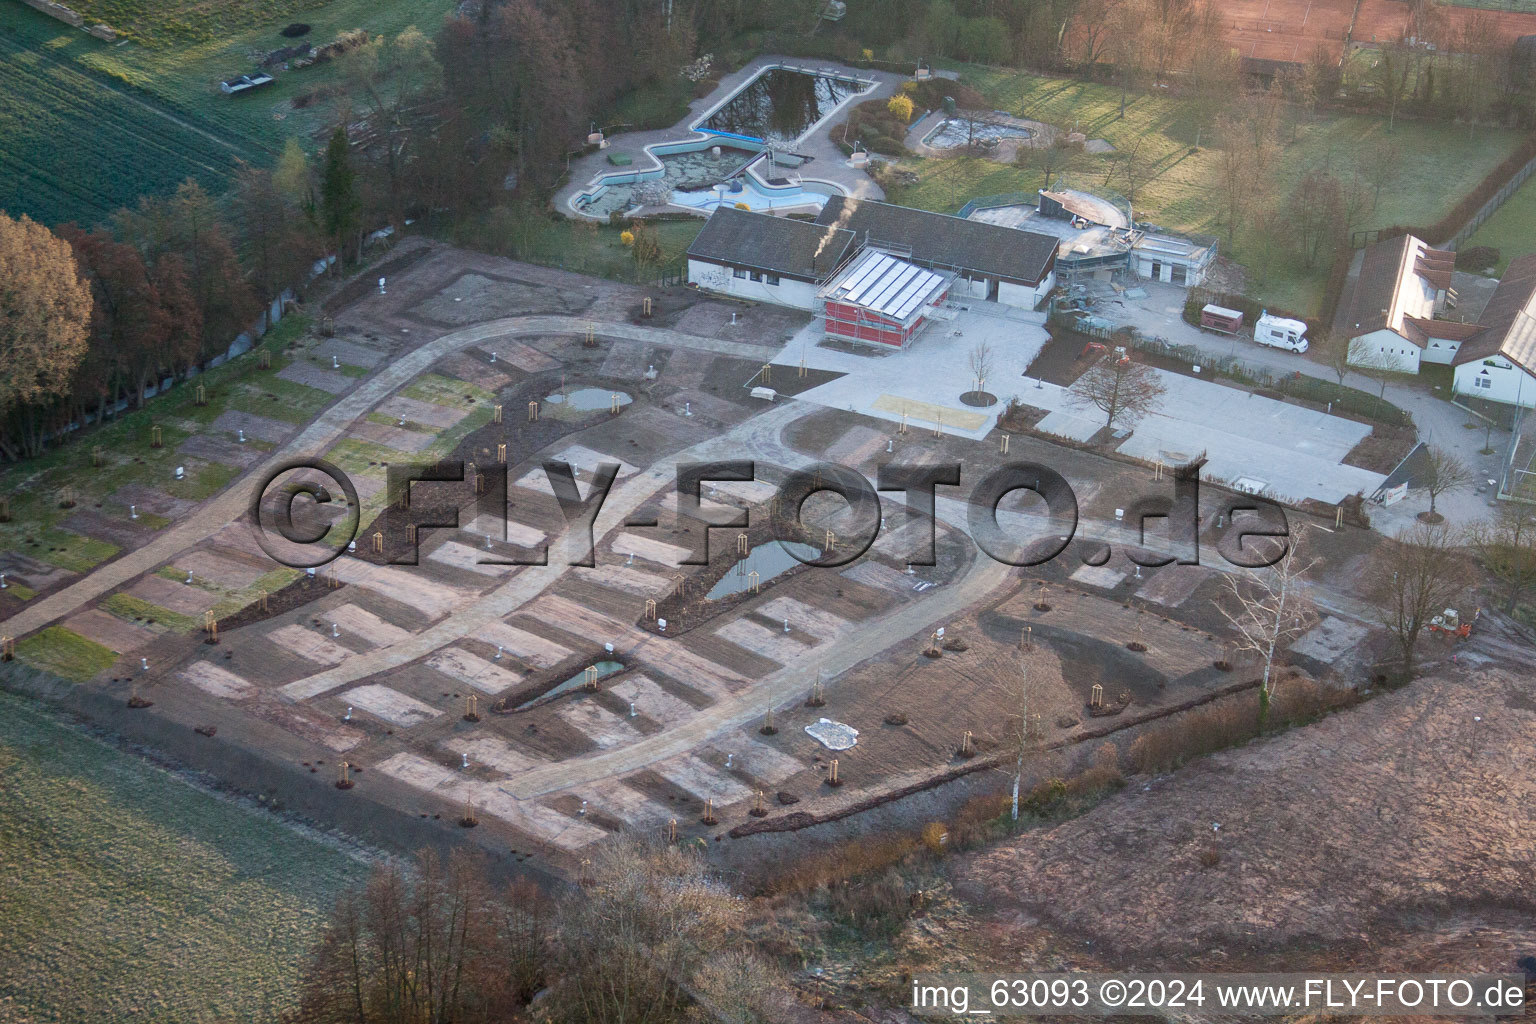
{"x":1294,"y":452}
{"x":928,"y":378}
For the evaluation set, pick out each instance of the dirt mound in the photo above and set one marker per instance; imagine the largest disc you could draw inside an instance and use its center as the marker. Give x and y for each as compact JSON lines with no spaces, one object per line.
{"x":1394,"y":818}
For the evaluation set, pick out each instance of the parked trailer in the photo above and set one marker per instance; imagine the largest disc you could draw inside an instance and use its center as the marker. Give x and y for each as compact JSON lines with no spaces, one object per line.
{"x":245,"y":83}
{"x":1221,"y":319}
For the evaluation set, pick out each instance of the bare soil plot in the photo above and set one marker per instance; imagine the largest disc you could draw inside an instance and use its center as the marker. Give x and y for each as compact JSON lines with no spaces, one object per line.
{"x":523,"y":645}
{"x":603,"y":727}
{"x":178,"y":597}
{"x":390,"y":705}
{"x":219,"y":682}
{"x":485,"y":676}
{"x":310,"y":644}
{"x":110,"y":631}
{"x":260,"y":428}
{"x":428,"y":414}
{"x":329,"y":381}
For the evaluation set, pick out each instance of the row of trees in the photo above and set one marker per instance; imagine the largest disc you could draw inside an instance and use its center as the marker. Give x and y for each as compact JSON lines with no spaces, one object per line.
{"x":650,"y":939}
{"x":97,"y":316}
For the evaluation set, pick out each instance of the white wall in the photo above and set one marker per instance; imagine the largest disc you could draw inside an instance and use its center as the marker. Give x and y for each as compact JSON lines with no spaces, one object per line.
{"x":1507,"y":382}
{"x":1388,"y":345}
{"x":1023,"y":296}
{"x":1193,"y":275}
{"x":715,"y":278}
{"x":1439,"y":350}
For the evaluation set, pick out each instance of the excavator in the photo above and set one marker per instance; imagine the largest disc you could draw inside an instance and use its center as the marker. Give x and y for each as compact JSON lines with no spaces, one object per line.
{"x":1453,"y":625}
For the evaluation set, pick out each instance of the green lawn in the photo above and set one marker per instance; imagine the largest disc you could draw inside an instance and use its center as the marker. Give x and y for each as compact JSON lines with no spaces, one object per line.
{"x":130,"y":895}
{"x":34,"y":486}
{"x":582,"y":246}
{"x":66,"y":654}
{"x":1512,"y":228}
{"x":136,"y":609}
{"x":89,"y":126}
{"x":1439,"y":166}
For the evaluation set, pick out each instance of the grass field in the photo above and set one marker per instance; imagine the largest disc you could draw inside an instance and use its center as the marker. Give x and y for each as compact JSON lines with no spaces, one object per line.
{"x":34,"y":486}
{"x":89,"y":126}
{"x":78,"y":145}
{"x":582,"y":246}
{"x":1512,"y":228}
{"x":1439,"y":166}
{"x":130,"y":895}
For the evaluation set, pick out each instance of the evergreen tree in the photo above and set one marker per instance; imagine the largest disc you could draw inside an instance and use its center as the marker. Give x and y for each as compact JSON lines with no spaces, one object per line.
{"x":339,"y":205}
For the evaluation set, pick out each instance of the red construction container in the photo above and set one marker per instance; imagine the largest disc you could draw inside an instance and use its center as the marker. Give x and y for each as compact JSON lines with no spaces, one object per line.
{"x":1219,"y":318}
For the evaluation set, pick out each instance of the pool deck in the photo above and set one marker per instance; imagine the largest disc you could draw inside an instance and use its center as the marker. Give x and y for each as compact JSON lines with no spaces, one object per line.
{"x":827,"y":161}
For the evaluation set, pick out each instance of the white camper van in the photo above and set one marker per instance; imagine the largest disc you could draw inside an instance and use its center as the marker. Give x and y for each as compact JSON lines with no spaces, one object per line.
{"x":1280,"y":332}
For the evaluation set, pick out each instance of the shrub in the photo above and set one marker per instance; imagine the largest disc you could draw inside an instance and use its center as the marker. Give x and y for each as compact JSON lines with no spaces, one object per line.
{"x":877,"y":907}
{"x":873,"y":123}
{"x":1479,"y":257}
{"x":295,"y":30}
{"x":901,"y":107}
{"x":1194,"y":734}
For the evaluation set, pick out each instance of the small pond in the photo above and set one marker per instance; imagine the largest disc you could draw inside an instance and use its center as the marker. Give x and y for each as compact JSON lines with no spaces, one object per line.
{"x":769,"y":560}
{"x":604,"y":668}
{"x":588,"y":399}
{"x":955,"y":132}
{"x":779,"y":105}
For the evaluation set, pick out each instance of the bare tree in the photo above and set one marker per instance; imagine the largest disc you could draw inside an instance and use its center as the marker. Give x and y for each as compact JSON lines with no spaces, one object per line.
{"x":1390,"y":76}
{"x":1121,"y":389}
{"x":1132,"y":169}
{"x":1051,"y":160}
{"x":1377,"y":364}
{"x":1412,"y":579}
{"x":637,"y":939}
{"x":1382,"y":168}
{"x":1506,"y":546}
{"x":1443,"y":473}
{"x":1246,"y":135}
{"x":424,"y":945}
{"x":1270,"y":609}
{"x":981,"y":364}
{"x":1093,"y":29}
{"x":1334,"y":350}
{"x":1022,"y":736}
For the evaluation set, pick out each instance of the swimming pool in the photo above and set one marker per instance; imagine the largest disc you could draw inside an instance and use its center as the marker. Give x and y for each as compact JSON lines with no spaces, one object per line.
{"x":692,"y":176}
{"x":954,"y":132}
{"x":781,"y":104}
{"x":772,"y":110}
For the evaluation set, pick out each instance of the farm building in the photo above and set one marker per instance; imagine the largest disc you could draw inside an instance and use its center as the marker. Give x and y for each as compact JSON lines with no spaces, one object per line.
{"x":1498,"y":362}
{"x":1007,"y":265}
{"x":1390,"y":319}
{"x":881,"y":298}
{"x":765,"y":258}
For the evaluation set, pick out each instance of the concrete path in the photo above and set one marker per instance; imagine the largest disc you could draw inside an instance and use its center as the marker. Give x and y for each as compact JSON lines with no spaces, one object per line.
{"x":328,"y":428}
{"x":528,"y":582}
